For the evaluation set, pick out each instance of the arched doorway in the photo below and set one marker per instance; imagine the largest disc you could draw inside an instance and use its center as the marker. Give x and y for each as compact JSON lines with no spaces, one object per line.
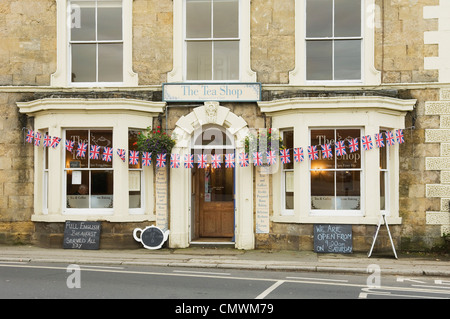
{"x":198,"y":129}
{"x":212,"y":186}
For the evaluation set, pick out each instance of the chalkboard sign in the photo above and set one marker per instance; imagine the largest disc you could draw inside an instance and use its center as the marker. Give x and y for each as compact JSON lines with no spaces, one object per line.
{"x":151,"y":237}
{"x":333,"y":239}
{"x":82,"y":235}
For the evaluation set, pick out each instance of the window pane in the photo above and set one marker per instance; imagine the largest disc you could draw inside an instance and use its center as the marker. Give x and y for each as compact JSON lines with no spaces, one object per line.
{"x":350,"y":160}
{"x":83,"y":62}
{"x":383,"y":190}
{"x":72,"y":160}
{"x":321,"y":137}
{"x":347,"y":18}
{"x":134,"y":191}
{"x":110,"y":62}
{"x":289,"y":189}
{"x":199,"y":60}
{"x":226,"y":60}
{"x":109,"y":20}
{"x":198,"y":18}
{"x":77,"y":189}
{"x":102,"y":139}
{"x":347,"y":60}
{"x":319,"y":60}
{"x":322,"y":190}
{"x":102,"y":189}
{"x":288,"y":142}
{"x":348,"y":188}
{"x":226,"y":19}
{"x":319,"y":18}
{"x":82,"y":21}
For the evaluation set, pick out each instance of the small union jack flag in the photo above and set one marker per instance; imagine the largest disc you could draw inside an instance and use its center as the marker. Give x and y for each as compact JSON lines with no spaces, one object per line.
{"x":326,"y":151}
{"x":174,"y":160}
{"x":271,"y":158}
{"x":229,"y":160}
{"x":285,"y":156}
{"x":313,"y":154}
{"x":366,"y":141}
{"x":390,"y":140}
{"x":81,"y":151}
{"x":257,"y":160}
{"x":353,"y":144}
{"x":216,"y":161}
{"x":298,"y":154}
{"x":37,"y":139}
{"x":122,"y":153}
{"x":400,"y":137}
{"x":55,"y":141}
{"x":107,"y":154}
{"x":202,"y":160}
{"x":134,"y":158}
{"x":69,"y":145}
{"x":95,"y":152}
{"x":30,"y":136}
{"x":379,"y":141}
{"x":47,"y":140}
{"x":146,"y":158}
{"x":340,"y":148}
{"x":161,"y":160}
{"x":188,"y":160}
{"x":243,"y":159}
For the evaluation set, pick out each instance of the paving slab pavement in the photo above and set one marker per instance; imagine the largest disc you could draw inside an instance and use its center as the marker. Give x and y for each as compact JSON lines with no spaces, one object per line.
{"x":405,"y":265}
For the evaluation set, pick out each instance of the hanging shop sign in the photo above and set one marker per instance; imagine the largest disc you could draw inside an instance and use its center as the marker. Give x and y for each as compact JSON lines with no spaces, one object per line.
{"x":221,"y":92}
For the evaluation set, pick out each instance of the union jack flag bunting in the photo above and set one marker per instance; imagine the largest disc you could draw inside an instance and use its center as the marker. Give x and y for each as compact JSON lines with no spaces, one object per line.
{"x":95,"y":152}
{"x":122,"y":153}
{"x":81,"y":151}
{"x":47,"y":140}
{"x":30,"y":136}
{"x":161,"y":160}
{"x":390,"y":138}
{"x":353,"y":144}
{"x":285,"y":156}
{"x":188,"y":161}
{"x":326,"y":151}
{"x":400,"y":137}
{"x":55,"y":141}
{"x":366,"y":141}
{"x":134,"y":158}
{"x":69,"y":145}
{"x":216,"y":161}
{"x":146,"y":158}
{"x":379,"y":141}
{"x":298,"y":154}
{"x":257,"y":160}
{"x":107,"y":154}
{"x":229,"y":160}
{"x":313,"y":154}
{"x":37,"y":139}
{"x":174,"y":160}
{"x":202,"y":160}
{"x":271,"y":158}
{"x":243,"y":159}
{"x":340,"y":148}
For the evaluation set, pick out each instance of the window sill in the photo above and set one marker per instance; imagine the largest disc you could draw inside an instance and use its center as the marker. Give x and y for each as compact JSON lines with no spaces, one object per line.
{"x":352,"y":220}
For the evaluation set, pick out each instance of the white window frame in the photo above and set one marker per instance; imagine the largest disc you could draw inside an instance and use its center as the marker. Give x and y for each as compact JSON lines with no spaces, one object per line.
{"x":369,"y":75}
{"x":138,"y":210}
{"x":333,"y":40}
{"x":387,"y":172}
{"x":62,"y":76}
{"x":178,"y":73}
{"x":337,"y":212}
{"x":284,"y":210}
{"x":90,"y":210}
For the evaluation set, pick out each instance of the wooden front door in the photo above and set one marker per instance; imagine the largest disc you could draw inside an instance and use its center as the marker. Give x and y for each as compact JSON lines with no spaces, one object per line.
{"x":215,"y":198}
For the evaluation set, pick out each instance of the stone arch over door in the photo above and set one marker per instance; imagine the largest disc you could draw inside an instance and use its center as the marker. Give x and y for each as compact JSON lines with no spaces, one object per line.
{"x":210,"y":113}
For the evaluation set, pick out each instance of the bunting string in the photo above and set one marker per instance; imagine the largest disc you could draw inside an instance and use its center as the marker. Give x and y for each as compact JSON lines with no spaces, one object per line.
{"x":311,"y":152}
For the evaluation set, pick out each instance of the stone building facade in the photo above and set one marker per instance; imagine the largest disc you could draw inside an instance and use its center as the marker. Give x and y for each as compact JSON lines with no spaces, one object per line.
{"x":312,"y":87}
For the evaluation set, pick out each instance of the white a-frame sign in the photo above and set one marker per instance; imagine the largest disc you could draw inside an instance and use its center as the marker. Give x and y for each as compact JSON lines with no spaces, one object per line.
{"x":383,"y":217}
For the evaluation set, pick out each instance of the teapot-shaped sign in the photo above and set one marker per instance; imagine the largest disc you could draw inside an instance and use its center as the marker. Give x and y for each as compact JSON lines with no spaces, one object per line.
{"x":151,"y":237}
